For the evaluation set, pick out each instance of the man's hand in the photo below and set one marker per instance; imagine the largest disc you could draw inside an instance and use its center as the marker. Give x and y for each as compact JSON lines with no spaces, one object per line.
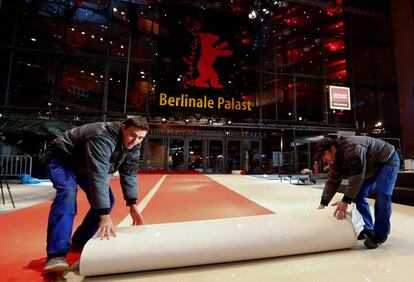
{"x":106,"y":228}
{"x":340,"y":211}
{"x":136,"y":215}
{"x":321,"y":207}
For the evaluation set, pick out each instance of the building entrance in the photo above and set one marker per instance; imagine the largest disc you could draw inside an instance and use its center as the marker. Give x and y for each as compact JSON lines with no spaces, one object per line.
{"x":198,"y":152}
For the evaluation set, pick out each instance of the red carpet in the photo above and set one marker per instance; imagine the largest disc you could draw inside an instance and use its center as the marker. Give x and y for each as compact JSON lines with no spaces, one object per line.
{"x":182,"y":197}
{"x":23,"y":233}
{"x":196,"y":197}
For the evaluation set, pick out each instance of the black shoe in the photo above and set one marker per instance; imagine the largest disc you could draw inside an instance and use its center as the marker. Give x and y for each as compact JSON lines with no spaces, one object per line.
{"x":375,"y":241}
{"x":365,"y":234}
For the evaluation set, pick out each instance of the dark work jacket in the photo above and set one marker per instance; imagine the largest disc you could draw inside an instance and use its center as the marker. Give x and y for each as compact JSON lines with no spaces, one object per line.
{"x":96,"y":150}
{"x":359,"y":158}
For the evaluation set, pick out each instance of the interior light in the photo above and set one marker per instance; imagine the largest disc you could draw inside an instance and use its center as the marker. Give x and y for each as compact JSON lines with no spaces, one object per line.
{"x":252,"y":15}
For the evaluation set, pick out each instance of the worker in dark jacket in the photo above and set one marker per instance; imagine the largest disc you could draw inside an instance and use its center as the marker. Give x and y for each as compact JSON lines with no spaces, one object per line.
{"x":369,"y":164}
{"x":85,"y":156}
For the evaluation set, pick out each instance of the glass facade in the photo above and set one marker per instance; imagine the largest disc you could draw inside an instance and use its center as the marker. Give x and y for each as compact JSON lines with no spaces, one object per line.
{"x":243,"y":68}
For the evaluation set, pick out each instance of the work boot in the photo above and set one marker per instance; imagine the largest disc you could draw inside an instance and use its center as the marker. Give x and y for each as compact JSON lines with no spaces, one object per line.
{"x":56,"y":265}
{"x":365,"y":234}
{"x":375,"y":241}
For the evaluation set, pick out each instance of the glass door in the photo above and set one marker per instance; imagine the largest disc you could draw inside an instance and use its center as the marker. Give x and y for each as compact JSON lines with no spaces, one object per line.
{"x":255,"y":157}
{"x":215,"y":159}
{"x":176,"y":155}
{"x":233,"y":155}
{"x":195,"y":155}
{"x":157,"y":154}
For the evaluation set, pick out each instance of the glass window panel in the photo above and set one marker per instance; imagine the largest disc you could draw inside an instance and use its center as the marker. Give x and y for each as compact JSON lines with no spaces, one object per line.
{"x":357,"y":25}
{"x":389,"y":107}
{"x":384,"y":61}
{"x":362,"y":62}
{"x":138,"y":87}
{"x":8,"y":17}
{"x":87,"y":27}
{"x":33,"y":80}
{"x":4,"y":71}
{"x":121,"y":26}
{"x":284,"y":98}
{"x":341,"y":117}
{"x":382,"y":30}
{"x":335,"y":58}
{"x":268,"y":97}
{"x":82,"y":85}
{"x":309,"y":97}
{"x":41,"y":25}
{"x":135,"y":20}
{"x":116,"y":96}
{"x":366,"y":104}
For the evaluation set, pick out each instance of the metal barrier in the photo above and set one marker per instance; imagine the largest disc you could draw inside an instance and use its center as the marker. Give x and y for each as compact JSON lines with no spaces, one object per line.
{"x":15,"y":165}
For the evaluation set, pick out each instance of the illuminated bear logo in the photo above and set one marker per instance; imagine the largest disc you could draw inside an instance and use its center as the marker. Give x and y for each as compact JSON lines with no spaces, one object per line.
{"x":208,"y":55}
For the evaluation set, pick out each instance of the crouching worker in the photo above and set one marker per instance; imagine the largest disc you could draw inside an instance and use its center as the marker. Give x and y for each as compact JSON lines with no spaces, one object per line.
{"x":85,"y":156}
{"x":371,"y":164}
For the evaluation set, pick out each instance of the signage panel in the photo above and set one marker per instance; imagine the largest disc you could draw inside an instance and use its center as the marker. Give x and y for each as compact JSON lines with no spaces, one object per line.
{"x":339,"y":98}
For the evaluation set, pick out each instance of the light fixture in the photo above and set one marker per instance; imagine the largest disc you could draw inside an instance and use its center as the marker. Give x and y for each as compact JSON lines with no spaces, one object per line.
{"x":252,"y":15}
{"x":378,"y":124}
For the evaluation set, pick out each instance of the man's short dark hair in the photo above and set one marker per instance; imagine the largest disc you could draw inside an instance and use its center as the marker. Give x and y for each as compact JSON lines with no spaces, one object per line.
{"x":323,"y":145}
{"x":140,"y":122}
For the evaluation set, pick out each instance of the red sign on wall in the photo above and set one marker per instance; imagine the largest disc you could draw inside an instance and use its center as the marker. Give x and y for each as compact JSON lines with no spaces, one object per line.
{"x":339,"y":98}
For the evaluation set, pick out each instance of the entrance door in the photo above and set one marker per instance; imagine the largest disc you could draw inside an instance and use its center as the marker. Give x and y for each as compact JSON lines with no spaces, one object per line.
{"x":255,"y":157}
{"x":215,"y":159}
{"x":176,"y":155}
{"x":157,"y":154}
{"x":195,"y":155}
{"x":233,"y":155}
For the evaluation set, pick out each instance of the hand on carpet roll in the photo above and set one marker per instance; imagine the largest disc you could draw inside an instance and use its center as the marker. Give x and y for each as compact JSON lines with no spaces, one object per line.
{"x":106,"y":228}
{"x":136,"y":215}
{"x":340,"y":211}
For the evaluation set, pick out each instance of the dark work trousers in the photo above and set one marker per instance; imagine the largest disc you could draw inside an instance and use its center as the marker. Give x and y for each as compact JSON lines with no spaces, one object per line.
{"x":383,"y":184}
{"x":64,"y":208}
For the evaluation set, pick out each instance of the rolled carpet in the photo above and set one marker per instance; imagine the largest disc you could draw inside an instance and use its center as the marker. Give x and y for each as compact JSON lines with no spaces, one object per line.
{"x":170,"y":245}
